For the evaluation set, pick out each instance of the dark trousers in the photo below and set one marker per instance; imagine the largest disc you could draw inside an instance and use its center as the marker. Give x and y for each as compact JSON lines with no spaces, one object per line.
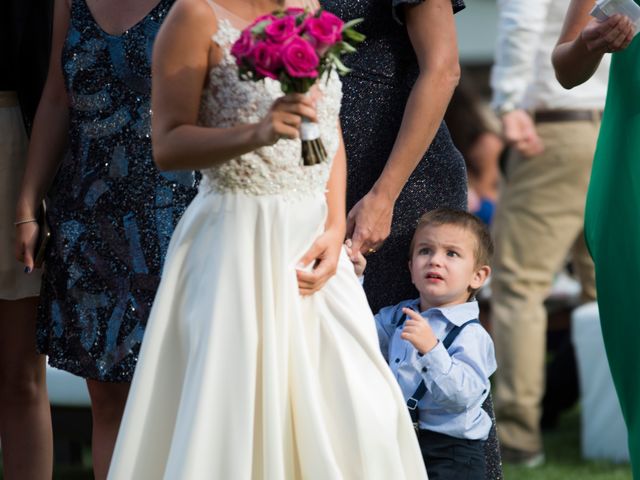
{"x":449,"y":458}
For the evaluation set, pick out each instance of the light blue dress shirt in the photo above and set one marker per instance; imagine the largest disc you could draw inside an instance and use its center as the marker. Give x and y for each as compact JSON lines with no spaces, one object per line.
{"x":457,"y":380}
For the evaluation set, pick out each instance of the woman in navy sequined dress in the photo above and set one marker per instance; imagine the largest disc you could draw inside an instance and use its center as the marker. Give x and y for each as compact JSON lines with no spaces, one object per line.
{"x":111,"y":211}
{"x":400,"y":158}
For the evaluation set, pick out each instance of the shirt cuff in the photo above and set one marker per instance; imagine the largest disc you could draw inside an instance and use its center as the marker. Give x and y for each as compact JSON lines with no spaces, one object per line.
{"x":433,"y":364}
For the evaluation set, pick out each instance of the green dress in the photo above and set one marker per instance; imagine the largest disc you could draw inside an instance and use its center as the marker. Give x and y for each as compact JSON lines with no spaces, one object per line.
{"x":612,"y":230}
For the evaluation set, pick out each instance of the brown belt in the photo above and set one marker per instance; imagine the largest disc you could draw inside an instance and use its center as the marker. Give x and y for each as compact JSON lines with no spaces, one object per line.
{"x":542,"y":116}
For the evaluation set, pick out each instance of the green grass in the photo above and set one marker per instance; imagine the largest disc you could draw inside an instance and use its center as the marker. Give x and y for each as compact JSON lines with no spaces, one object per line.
{"x":562,"y":449}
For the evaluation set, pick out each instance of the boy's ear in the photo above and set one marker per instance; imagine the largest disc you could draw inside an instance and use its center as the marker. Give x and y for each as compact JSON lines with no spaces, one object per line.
{"x":480,"y":276}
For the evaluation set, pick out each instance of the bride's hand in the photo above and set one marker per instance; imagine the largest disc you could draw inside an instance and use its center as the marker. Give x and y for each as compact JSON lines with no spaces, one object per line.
{"x":284,"y":118}
{"x":323,"y":256}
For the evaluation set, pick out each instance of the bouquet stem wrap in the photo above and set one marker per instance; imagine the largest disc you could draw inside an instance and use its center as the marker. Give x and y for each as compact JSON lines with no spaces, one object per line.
{"x":313,"y":151}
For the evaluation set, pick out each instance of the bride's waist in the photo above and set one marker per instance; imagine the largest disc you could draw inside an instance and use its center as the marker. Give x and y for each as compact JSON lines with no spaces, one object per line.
{"x":257,"y":177}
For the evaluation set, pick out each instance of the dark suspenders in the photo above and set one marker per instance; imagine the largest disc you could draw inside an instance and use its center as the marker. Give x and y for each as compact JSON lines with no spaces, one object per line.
{"x":412,"y":403}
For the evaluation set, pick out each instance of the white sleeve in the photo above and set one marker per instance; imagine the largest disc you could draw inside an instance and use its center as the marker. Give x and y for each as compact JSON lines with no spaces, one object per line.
{"x":520,"y":27}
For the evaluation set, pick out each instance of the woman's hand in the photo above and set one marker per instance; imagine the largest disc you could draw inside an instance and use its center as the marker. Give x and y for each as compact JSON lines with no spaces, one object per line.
{"x":284,"y":118}
{"x":25,"y":246}
{"x":369,"y":222}
{"x":612,"y":35}
{"x":323,"y":257}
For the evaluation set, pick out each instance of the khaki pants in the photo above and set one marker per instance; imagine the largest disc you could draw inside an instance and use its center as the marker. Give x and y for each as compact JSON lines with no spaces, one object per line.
{"x":539,"y":222}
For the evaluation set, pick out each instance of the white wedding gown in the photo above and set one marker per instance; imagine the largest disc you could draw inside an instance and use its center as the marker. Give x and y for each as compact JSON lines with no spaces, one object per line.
{"x":239,"y":377}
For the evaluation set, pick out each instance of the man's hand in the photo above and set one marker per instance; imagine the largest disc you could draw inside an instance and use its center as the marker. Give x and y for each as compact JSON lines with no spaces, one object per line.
{"x":520,"y":132}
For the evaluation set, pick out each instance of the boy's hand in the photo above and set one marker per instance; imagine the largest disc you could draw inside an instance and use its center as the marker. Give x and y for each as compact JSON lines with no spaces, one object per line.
{"x":356,"y":257}
{"x":418,"y":332}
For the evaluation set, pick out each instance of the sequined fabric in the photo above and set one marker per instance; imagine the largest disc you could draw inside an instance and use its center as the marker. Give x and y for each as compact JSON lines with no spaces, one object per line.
{"x":112,"y":212}
{"x":272,"y":170}
{"x":375,"y":95}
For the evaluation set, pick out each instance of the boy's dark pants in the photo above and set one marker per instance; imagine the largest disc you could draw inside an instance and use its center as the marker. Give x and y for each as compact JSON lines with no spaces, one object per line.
{"x":449,"y":458}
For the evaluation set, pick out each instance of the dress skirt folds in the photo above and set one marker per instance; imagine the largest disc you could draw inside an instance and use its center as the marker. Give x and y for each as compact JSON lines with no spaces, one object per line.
{"x":240,"y":377}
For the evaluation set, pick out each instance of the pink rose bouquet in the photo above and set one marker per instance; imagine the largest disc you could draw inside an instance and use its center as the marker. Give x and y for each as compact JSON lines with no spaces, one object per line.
{"x":296,"y":47}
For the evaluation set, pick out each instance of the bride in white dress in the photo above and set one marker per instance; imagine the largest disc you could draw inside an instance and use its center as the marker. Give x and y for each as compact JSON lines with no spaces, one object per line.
{"x":253,"y":367}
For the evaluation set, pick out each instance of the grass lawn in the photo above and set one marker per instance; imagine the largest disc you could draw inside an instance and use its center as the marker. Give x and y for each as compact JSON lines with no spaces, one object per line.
{"x":562,"y":449}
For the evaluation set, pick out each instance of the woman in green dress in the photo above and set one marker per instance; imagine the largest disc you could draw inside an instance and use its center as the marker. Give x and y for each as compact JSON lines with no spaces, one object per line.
{"x":612,"y":217}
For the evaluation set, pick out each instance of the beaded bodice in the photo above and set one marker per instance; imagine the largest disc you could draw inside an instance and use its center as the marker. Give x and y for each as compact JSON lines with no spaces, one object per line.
{"x":228,"y":101}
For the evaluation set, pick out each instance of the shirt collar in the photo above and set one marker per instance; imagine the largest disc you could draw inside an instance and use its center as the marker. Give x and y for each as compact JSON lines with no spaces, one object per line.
{"x":456,"y":314}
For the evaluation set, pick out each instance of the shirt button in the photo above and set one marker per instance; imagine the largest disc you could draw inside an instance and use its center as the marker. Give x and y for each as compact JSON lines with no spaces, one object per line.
{"x":397,"y":360}
{"x":424,"y":369}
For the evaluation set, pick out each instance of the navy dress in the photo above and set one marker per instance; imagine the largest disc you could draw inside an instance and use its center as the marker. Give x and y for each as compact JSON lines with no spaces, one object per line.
{"x":384,"y":70}
{"x":111,"y":211}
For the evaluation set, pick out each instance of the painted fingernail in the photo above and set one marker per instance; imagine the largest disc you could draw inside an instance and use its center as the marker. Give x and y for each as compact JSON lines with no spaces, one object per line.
{"x":27,"y":270}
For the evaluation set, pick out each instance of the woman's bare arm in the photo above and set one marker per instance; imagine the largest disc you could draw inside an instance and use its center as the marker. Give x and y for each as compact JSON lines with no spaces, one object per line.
{"x":432,"y":31}
{"x":49,"y":138}
{"x":584,"y":40}
{"x":51,"y":124}
{"x":325,"y":251}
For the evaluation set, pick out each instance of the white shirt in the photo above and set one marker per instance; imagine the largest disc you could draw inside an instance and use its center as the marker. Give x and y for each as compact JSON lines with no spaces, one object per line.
{"x":522,"y":75}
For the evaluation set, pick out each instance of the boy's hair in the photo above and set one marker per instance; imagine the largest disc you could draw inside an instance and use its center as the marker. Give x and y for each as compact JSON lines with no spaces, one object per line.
{"x":465,"y":220}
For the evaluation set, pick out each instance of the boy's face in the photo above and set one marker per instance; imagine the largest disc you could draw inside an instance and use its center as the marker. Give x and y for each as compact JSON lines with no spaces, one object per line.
{"x":443,"y":265}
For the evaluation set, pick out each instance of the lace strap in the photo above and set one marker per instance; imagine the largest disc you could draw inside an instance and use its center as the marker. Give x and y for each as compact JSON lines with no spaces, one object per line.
{"x":222,"y":13}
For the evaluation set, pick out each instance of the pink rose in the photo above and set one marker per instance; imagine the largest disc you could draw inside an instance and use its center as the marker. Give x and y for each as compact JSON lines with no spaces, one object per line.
{"x":325,"y":31}
{"x":242,"y":47}
{"x":262,"y":18}
{"x":300,"y":59}
{"x":267,"y":59}
{"x":281,"y":30}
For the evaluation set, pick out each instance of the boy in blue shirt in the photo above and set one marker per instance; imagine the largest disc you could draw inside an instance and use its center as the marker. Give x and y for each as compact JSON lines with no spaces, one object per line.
{"x":440,"y":354}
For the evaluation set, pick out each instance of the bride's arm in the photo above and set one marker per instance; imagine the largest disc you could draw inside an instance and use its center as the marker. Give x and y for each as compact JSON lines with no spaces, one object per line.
{"x":325,"y":251}
{"x":337,"y":191}
{"x":182,"y":56}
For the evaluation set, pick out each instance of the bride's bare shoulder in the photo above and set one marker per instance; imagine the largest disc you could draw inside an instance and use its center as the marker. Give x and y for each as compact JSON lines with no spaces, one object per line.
{"x":195,"y":15}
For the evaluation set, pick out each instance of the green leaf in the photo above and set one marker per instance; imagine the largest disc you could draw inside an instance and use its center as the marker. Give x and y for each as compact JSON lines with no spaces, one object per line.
{"x":354,"y":35}
{"x":352,"y":23}
{"x":340,"y":67}
{"x":258,"y":28}
{"x":346,"y":48}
